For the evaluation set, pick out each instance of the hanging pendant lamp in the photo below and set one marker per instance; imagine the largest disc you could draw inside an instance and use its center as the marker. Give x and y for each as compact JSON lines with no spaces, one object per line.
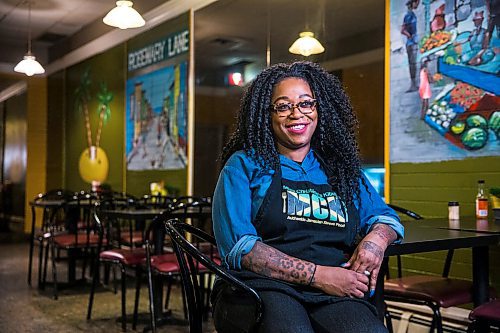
{"x":29,"y":65}
{"x":123,"y":16}
{"x":306,"y":45}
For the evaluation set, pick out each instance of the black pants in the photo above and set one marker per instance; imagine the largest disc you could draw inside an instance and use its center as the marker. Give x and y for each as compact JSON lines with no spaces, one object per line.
{"x":411,"y":51}
{"x":283,"y":313}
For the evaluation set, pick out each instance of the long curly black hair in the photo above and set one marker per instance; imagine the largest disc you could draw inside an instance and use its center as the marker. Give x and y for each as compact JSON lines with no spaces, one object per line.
{"x":334,"y":139}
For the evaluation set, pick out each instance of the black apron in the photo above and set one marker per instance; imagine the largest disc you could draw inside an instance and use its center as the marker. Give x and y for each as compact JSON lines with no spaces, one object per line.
{"x":306,"y":221}
{"x":309,"y":222}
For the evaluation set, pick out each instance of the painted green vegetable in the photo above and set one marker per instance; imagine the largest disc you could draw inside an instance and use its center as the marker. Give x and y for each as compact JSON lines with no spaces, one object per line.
{"x":494,"y":122}
{"x":475,"y":138}
{"x":477,"y":121}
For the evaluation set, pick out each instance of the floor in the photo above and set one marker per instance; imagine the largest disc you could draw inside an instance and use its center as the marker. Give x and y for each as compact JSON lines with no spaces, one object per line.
{"x":26,"y":309}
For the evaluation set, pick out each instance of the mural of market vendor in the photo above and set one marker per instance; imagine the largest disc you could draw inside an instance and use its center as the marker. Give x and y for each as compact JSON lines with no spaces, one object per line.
{"x":459,"y":82}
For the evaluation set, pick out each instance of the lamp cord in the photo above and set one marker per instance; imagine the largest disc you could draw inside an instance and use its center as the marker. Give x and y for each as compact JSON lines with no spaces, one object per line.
{"x":29,"y":27}
{"x":268,"y":37}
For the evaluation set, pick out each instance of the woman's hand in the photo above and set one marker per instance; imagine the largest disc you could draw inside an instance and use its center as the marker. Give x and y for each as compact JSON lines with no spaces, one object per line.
{"x":369,"y":253}
{"x":340,"y":281}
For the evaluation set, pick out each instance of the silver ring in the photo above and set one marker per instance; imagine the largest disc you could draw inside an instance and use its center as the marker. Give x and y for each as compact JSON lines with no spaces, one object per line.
{"x":367,"y":273}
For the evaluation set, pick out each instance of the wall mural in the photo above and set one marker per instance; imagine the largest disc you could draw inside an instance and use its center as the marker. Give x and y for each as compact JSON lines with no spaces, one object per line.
{"x":156,"y":119}
{"x":93,"y":164}
{"x":444,"y":79}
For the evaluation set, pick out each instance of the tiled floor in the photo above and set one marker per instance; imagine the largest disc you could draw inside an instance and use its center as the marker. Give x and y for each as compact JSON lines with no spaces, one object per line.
{"x":26,"y":309}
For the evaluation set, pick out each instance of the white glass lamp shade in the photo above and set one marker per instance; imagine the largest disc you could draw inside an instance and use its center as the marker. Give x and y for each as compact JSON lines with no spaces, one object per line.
{"x":306,"y":45}
{"x":123,"y":16}
{"x":29,"y":66}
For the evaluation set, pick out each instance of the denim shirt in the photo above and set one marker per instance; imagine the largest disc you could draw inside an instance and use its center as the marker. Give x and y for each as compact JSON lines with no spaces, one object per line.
{"x":241,"y":189}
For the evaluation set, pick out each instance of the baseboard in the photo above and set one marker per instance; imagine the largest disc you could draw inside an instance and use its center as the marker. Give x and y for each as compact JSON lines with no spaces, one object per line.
{"x":410,"y":318}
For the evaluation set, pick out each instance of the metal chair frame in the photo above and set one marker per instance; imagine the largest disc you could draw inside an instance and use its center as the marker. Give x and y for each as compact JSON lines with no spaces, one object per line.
{"x":191,"y":259}
{"x":437,"y":321}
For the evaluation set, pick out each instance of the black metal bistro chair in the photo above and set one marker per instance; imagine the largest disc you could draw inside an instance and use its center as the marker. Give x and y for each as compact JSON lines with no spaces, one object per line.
{"x":192,"y":261}
{"x":111,"y":250}
{"x":484,"y":316}
{"x":435,"y":292}
{"x":52,"y":205}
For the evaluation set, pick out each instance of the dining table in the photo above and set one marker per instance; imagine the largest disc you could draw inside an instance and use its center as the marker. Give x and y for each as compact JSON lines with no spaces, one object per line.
{"x":428,"y":235}
{"x":143,"y":214}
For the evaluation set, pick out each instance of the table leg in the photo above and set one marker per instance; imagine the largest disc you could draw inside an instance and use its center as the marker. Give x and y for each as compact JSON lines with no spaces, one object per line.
{"x":480,"y":274}
{"x":72,"y":253}
{"x":32,"y":243}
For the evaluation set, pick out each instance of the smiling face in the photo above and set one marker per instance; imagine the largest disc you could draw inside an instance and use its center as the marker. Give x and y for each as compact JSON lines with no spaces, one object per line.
{"x":293,"y":132}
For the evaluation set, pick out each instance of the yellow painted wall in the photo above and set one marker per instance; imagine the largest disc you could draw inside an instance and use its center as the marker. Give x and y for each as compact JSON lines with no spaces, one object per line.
{"x":36,"y":143}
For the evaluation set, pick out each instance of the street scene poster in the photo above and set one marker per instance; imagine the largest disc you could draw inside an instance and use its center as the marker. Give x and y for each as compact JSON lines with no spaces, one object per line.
{"x":156,"y":107}
{"x":444,"y":79}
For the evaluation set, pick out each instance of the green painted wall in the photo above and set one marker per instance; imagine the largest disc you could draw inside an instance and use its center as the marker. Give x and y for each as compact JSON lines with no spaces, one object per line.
{"x":107,"y":67}
{"x":427,"y":187}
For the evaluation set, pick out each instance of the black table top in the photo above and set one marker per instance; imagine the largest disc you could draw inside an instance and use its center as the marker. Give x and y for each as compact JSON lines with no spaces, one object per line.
{"x":130,"y":213}
{"x":47,"y":203}
{"x":421,"y":238}
{"x":465,"y":223}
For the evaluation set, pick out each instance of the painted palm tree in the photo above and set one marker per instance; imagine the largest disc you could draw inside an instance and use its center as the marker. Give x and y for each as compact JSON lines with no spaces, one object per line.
{"x":93,"y":164}
{"x":82,"y":98}
{"x":105,"y":97}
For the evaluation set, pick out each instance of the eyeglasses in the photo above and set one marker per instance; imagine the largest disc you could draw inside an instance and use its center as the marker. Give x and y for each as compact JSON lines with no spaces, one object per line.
{"x":286,"y":109}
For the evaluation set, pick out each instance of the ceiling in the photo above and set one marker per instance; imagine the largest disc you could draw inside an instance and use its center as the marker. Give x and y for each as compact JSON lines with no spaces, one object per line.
{"x":227,"y":32}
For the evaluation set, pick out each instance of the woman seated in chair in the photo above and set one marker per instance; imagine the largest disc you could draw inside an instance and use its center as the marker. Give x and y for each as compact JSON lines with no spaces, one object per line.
{"x":291,"y":204}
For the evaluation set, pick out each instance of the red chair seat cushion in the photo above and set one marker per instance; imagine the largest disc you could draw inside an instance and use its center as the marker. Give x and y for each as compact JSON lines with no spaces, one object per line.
{"x":443,"y":291}
{"x":129,"y":257}
{"x":488,"y":311}
{"x":80,"y":240}
{"x":136,"y":238}
{"x":165,"y":263}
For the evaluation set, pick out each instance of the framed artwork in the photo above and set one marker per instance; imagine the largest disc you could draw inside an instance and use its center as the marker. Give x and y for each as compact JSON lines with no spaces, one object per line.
{"x":156,"y":129}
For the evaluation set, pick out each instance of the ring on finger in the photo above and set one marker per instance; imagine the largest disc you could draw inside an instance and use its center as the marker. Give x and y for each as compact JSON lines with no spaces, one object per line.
{"x":367,"y":273}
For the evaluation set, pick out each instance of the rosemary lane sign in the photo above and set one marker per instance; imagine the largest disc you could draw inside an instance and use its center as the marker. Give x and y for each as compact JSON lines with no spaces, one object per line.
{"x":170,"y":47}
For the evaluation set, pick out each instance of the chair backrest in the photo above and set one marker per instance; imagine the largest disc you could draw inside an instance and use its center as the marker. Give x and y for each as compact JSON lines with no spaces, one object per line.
{"x":196,"y":212}
{"x":78,"y":219}
{"x":405,"y":211}
{"x":158,"y":201}
{"x":53,"y":205}
{"x":415,"y":216}
{"x":191,"y":259}
{"x":110,"y":230}
{"x":119,"y":199}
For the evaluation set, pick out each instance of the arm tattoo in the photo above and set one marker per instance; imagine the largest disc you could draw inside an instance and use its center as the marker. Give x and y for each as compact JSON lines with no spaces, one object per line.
{"x":385,"y":232}
{"x":373,"y":248}
{"x":266,"y":260}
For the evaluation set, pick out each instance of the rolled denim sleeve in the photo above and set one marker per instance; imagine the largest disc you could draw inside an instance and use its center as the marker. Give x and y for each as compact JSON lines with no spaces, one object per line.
{"x":372,"y":209}
{"x":233,"y":228}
